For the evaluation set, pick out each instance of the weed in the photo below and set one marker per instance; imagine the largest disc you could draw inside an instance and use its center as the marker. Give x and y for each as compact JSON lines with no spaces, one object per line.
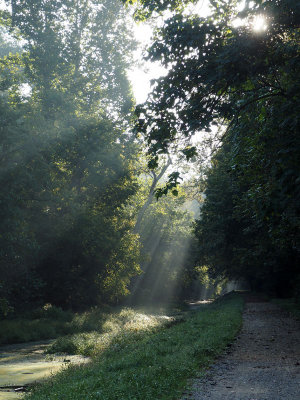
{"x":151,"y":362}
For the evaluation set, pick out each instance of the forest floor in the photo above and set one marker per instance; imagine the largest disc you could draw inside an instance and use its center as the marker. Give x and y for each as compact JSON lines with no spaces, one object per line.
{"x":262,"y":364}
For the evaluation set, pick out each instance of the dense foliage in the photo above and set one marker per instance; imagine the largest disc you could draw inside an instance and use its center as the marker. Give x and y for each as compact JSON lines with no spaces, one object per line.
{"x":67,"y":161}
{"x":248,"y":80}
{"x":77,"y":225}
{"x":74,"y":227}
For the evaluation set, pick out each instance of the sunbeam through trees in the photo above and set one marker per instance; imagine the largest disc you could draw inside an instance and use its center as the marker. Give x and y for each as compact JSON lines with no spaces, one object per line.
{"x":84,"y":220}
{"x":133,"y":234}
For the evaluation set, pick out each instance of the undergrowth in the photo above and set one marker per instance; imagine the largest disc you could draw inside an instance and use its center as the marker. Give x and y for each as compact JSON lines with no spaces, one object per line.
{"x":49,"y":322}
{"x":115,"y":328}
{"x":149,"y":363}
{"x":290,"y":305}
{"x":72,"y":329}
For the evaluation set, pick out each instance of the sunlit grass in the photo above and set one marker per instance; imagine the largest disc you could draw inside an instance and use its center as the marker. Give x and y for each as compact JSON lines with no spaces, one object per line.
{"x":52,"y":322}
{"x":117,"y":327}
{"x":147,"y":360}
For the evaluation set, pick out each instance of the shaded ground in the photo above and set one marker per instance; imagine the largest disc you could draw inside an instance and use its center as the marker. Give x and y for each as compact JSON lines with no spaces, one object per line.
{"x":26,"y":363}
{"x":263,"y":363}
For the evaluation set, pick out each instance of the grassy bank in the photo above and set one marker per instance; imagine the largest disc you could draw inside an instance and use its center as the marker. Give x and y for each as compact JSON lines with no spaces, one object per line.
{"x":150,"y":362}
{"x":289,"y":305}
{"x":76,"y":331}
{"x":115,"y":329}
{"x":47,"y":323}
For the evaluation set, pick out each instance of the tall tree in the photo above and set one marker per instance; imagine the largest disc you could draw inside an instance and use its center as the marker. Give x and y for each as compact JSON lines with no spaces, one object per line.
{"x":70,"y":152}
{"x":221,"y":72}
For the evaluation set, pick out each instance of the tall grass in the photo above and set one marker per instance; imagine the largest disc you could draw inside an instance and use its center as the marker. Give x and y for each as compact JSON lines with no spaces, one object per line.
{"x":151,"y":363}
{"x":114,"y":328}
{"x":49,"y":322}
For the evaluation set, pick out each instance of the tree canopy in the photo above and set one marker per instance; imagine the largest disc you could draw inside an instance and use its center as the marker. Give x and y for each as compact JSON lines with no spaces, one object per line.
{"x":67,"y":161}
{"x":221,"y":72}
{"x":80,"y":223}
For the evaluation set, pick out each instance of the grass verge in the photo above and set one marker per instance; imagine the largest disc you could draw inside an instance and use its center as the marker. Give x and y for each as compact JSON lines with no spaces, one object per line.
{"x":152,"y":363}
{"x":289,"y":305}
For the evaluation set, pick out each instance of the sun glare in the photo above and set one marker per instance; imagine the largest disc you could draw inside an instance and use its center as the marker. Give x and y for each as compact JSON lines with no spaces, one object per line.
{"x":139,"y":76}
{"x":259,"y":23}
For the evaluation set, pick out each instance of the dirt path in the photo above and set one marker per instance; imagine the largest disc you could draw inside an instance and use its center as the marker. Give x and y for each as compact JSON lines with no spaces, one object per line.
{"x":263,"y":363}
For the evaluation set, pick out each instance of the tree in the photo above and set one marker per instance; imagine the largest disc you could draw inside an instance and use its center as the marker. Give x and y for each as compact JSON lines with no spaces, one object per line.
{"x":212,"y":67}
{"x":156,"y":176}
{"x":249,"y":81}
{"x":71,"y":165}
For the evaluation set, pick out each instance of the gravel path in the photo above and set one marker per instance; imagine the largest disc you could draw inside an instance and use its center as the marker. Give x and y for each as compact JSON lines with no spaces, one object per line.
{"x":263,"y":363}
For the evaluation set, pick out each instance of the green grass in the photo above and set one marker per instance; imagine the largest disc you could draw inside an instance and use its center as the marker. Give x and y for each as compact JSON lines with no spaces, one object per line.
{"x":49,"y":322}
{"x":34,"y":326}
{"x":290,"y":305}
{"x":116,"y":327}
{"x":150,"y":362}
